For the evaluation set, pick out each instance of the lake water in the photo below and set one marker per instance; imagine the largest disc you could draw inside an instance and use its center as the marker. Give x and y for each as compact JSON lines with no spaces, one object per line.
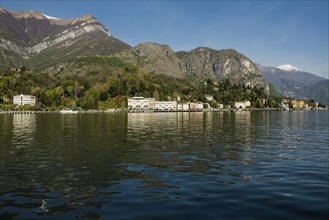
{"x":223,"y":165}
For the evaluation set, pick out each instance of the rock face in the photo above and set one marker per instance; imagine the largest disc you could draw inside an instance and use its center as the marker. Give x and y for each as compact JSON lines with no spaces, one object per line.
{"x":205,"y":63}
{"x":200,"y":63}
{"x":28,"y":34}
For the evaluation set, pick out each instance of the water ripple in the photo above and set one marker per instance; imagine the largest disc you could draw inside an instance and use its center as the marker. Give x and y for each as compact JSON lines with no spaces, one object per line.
{"x":243,"y":165}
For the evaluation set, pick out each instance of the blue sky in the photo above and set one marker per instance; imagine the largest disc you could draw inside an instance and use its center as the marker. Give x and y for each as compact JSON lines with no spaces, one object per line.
{"x":268,"y":32}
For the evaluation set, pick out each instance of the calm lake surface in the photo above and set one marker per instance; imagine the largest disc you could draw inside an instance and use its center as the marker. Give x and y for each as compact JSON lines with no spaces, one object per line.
{"x":223,"y":165}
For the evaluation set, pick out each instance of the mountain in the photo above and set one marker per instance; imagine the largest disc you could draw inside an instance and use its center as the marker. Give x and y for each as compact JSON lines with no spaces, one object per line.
{"x":156,"y":58}
{"x":318,"y":91}
{"x":294,"y":82}
{"x":42,"y":42}
{"x":201,"y":64}
{"x":37,"y":40}
{"x":227,"y":64}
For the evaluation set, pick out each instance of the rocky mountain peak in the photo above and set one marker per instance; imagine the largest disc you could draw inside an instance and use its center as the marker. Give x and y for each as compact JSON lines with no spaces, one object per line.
{"x":154,"y":57}
{"x":74,"y":21}
{"x":29,"y":14}
{"x":86,"y":17}
{"x":28,"y":34}
{"x":205,"y":63}
{"x":150,"y":48}
{"x":3,"y":11}
{"x":201,"y":50}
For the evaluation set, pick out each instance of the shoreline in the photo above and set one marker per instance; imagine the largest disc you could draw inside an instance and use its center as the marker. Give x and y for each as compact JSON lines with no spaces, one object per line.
{"x":118,"y":111}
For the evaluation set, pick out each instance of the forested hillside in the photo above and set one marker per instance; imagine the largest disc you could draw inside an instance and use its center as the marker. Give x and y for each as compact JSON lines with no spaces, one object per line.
{"x":109,"y":85}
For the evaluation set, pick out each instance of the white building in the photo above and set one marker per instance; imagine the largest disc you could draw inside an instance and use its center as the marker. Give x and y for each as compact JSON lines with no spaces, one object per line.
{"x":141,"y":104}
{"x":183,"y":106}
{"x":196,"y":106}
{"x":24,"y":100}
{"x":209,"y":97}
{"x":242,"y":105}
{"x":166,"y":106}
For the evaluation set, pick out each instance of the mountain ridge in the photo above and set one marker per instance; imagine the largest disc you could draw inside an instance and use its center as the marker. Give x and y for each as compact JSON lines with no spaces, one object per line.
{"x":27,"y":34}
{"x":41,"y":41}
{"x":201,"y":63}
{"x":298,"y":84}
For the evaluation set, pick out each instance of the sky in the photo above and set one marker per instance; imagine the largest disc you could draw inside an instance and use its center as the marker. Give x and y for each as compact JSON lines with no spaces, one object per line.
{"x":270,"y":33}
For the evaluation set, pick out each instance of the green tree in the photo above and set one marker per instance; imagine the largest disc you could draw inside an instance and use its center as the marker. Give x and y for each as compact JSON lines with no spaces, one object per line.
{"x":90,"y":99}
{"x":156,"y":95}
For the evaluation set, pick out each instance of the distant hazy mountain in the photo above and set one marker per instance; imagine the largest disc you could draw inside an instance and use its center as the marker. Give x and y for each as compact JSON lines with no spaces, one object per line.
{"x":294,"y":82}
{"x":318,"y":91}
{"x":40,"y":40}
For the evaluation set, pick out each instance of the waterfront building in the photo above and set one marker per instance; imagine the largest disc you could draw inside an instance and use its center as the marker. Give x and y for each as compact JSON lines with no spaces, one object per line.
{"x":141,"y":104}
{"x":24,"y":100}
{"x":242,"y":105}
{"x":166,"y":106}
{"x":183,"y":106}
{"x":297,"y":103}
{"x":285,"y":103}
{"x":196,"y":106}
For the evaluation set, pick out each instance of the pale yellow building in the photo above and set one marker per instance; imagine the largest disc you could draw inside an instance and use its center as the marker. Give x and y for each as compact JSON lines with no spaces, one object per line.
{"x":297,"y":103}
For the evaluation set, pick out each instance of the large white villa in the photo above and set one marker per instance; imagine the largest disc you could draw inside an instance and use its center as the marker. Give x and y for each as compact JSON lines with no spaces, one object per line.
{"x":24,"y":100}
{"x":141,"y":104}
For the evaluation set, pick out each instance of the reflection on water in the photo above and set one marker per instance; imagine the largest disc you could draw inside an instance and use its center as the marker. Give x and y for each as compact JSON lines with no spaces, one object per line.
{"x":195,"y":142}
{"x":253,"y":165}
{"x":23,"y":130}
